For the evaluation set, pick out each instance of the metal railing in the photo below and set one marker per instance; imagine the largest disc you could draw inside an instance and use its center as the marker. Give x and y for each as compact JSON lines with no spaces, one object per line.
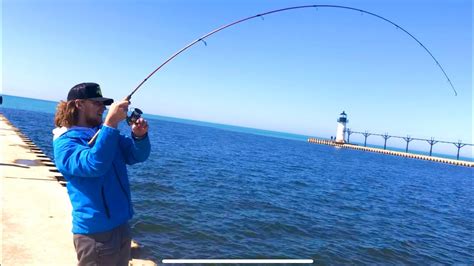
{"x":407,"y":139}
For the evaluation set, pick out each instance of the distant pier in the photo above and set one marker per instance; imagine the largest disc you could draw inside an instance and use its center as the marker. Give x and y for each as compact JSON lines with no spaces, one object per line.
{"x":390,"y":152}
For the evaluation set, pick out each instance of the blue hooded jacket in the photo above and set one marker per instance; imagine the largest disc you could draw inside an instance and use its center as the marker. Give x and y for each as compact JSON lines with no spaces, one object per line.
{"x":98,"y":185}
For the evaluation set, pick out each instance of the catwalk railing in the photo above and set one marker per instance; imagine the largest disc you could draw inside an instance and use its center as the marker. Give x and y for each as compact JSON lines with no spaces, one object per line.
{"x":407,"y":139}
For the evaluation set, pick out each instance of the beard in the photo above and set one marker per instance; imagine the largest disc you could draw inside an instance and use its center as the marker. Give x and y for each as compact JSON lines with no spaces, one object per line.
{"x":93,"y":121}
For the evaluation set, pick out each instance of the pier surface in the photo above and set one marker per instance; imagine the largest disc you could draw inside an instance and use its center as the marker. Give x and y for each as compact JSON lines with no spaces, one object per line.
{"x":390,"y":152}
{"x":36,"y":211}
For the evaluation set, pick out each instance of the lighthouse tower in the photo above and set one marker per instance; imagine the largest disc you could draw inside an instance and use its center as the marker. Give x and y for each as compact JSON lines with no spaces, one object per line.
{"x":341,"y":128}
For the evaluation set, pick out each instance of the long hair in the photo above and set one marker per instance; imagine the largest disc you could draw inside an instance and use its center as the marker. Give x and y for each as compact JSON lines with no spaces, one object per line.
{"x":67,"y":114}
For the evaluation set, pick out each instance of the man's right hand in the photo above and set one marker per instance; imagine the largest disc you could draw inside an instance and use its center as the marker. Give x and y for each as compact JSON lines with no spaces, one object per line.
{"x":117,"y":112}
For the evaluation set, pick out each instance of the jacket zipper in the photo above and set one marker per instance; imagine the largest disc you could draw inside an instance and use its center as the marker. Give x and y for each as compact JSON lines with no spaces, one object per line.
{"x":105,"y":203}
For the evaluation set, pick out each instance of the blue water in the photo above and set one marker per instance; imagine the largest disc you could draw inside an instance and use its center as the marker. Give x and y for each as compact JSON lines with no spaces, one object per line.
{"x":211,"y":193}
{"x":15,"y":102}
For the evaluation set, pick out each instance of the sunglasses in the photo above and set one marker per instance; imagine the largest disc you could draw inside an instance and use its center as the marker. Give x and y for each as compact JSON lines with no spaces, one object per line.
{"x":95,"y":103}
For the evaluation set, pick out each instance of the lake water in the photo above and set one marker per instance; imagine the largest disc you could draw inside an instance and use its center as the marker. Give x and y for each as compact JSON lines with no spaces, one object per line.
{"x":209,"y":192}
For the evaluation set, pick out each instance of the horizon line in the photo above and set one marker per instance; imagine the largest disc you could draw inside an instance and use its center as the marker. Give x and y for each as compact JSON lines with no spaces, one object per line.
{"x":277,"y":134}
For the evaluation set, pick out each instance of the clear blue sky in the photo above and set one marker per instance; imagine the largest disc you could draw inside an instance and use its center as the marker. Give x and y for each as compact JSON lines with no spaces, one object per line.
{"x":292,"y":72}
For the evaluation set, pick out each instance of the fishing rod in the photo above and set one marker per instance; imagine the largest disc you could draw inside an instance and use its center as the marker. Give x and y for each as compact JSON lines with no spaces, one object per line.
{"x":136,"y":114}
{"x":201,"y":39}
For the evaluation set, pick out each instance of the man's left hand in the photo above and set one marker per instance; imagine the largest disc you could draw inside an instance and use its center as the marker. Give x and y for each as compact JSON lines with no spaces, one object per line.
{"x":140,"y":128}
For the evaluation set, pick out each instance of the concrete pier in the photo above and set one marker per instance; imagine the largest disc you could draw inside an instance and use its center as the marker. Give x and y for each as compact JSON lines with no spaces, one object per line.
{"x":395,"y":153}
{"x":36,"y":211}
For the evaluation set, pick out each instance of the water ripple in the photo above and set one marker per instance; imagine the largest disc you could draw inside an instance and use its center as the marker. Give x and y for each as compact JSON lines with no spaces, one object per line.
{"x":210,"y":193}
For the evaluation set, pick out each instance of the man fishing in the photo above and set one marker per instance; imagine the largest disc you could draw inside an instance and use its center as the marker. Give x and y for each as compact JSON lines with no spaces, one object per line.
{"x":98,"y":184}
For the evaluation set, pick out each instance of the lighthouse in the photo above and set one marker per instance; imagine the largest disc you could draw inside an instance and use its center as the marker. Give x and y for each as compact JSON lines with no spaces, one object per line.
{"x":341,"y":128}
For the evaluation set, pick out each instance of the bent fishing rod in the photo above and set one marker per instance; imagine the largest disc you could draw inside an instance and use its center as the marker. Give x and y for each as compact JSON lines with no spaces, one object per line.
{"x":137,"y":112}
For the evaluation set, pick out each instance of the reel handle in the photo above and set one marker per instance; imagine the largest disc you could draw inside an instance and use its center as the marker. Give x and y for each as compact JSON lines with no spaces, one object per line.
{"x":134,"y":116}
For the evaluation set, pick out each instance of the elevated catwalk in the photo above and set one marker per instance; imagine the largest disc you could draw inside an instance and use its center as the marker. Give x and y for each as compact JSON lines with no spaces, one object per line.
{"x":395,"y":153}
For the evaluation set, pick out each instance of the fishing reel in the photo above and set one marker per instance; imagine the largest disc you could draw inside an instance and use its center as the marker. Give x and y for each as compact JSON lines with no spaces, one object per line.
{"x":134,"y":116}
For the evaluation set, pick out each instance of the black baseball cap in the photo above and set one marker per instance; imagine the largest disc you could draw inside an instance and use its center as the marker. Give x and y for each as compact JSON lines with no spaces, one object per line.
{"x":88,"y":91}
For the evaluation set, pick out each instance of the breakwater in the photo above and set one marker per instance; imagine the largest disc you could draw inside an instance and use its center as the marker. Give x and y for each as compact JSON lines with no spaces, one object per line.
{"x":390,"y":152}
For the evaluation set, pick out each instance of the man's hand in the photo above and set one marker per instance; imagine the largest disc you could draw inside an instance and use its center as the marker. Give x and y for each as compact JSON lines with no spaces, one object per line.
{"x":117,"y":113}
{"x":140,"y":128}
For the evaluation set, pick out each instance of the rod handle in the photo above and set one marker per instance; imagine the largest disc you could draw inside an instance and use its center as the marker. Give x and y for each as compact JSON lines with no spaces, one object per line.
{"x":92,"y":141}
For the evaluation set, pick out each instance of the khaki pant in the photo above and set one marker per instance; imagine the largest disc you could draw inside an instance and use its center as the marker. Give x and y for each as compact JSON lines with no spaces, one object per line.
{"x":107,"y":248}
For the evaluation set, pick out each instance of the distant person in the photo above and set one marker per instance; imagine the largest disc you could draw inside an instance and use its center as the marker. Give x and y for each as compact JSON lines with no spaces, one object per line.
{"x":98,"y":184}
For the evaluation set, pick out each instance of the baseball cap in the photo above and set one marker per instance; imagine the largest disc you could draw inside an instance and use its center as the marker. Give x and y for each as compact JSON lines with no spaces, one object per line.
{"x":88,"y":91}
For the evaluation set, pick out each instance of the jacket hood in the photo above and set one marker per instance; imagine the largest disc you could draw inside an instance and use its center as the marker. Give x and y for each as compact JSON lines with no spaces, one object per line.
{"x":74,"y":131}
